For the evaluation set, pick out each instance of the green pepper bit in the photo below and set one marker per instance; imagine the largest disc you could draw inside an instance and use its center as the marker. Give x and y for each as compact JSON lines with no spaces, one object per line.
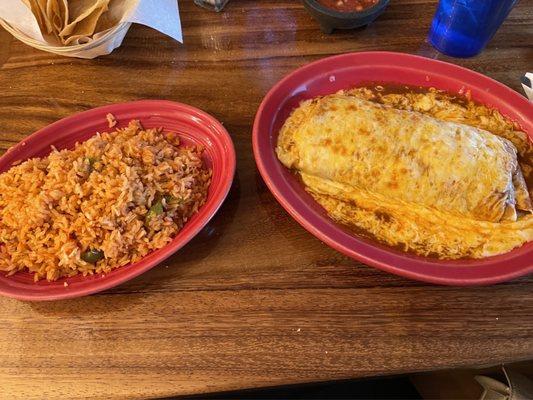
{"x":171,"y":200}
{"x":91,"y":161}
{"x":155,"y":210}
{"x":92,"y":256}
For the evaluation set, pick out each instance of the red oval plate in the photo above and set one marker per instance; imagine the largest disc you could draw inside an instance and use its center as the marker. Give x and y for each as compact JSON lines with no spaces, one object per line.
{"x":347,"y":71}
{"x":193,"y":127}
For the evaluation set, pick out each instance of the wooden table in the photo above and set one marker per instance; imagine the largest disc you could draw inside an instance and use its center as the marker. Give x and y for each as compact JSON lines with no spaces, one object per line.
{"x":254,"y":300}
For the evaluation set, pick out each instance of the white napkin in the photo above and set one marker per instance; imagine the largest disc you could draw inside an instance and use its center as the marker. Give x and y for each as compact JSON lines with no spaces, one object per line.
{"x":162,"y":15}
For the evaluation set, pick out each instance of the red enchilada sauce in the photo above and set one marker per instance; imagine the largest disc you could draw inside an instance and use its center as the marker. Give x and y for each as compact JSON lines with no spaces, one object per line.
{"x":348,"y":5}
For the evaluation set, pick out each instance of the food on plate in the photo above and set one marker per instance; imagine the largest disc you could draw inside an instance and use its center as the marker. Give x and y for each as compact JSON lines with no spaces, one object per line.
{"x":111,"y":120}
{"x":407,"y":156}
{"x":106,"y":203}
{"x":348,"y":5}
{"x":414,"y":169}
{"x":72,"y":22}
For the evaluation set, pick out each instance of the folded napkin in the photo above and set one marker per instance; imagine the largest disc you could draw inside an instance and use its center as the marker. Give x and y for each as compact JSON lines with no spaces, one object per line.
{"x":58,"y":25}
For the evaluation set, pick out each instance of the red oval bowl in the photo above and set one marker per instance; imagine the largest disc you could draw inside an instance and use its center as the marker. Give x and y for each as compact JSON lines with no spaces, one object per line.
{"x":347,"y":71}
{"x":193,"y":127}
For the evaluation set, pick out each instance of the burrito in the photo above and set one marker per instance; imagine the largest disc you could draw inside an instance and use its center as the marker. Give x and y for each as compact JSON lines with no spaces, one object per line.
{"x":358,"y":154}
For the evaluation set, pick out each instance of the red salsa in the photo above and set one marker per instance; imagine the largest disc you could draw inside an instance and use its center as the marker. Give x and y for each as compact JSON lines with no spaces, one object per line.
{"x":348,"y":5}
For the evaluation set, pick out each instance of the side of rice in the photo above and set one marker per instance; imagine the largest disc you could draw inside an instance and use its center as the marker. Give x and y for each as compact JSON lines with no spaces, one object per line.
{"x":106,"y":203}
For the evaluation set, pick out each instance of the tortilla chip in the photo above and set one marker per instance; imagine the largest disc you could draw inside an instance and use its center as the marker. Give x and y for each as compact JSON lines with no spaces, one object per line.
{"x":83,"y":17}
{"x":57,"y":13}
{"x":38,"y":8}
{"x":86,"y":27}
{"x":77,"y":39}
{"x":63,"y":9}
{"x":52,"y":13}
{"x":112,"y":17}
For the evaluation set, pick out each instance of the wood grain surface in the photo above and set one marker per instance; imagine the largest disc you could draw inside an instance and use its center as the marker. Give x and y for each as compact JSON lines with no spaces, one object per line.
{"x":254,"y":300}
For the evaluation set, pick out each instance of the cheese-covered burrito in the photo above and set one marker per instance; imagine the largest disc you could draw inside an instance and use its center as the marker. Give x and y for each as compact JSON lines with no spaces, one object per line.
{"x":406,"y":155}
{"x":349,"y":148}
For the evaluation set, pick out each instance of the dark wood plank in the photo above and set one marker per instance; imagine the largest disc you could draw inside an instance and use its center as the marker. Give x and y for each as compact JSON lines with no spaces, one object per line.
{"x":254,"y":300}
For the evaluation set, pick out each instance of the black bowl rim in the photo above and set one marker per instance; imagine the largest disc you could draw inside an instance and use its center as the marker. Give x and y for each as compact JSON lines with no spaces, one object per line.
{"x":347,"y":15}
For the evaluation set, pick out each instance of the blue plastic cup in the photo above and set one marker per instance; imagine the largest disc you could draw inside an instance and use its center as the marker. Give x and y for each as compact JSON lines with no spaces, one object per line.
{"x":462,"y":28}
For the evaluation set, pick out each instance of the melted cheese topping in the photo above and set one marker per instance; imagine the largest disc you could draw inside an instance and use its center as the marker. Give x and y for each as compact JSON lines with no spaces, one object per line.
{"x":415,"y":227}
{"x":408,"y":179}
